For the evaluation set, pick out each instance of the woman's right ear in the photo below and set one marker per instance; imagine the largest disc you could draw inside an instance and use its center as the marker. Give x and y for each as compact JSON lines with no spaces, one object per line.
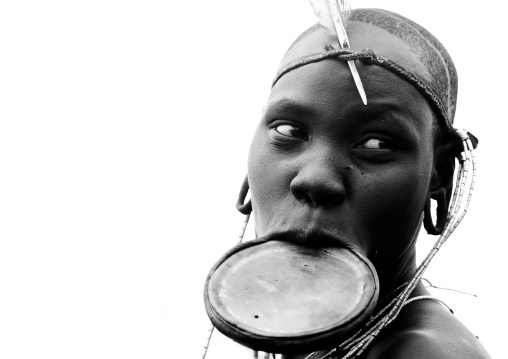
{"x":242,"y":206}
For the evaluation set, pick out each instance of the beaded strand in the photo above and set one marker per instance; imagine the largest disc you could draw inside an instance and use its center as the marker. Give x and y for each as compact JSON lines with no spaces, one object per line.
{"x":359,"y":342}
{"x":240,"y":239}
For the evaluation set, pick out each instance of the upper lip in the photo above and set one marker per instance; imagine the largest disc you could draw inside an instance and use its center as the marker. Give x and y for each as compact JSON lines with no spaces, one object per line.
{"x":310,"y":236}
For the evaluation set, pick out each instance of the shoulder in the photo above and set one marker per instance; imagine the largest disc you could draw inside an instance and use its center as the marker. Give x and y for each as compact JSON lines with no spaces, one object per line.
{"x":426,"y":329}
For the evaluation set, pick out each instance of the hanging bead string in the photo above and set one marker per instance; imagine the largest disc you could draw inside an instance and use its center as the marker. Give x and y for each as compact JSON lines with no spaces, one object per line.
{"x":430,"y":298}
{"x":359,"y":342}
{"x":465,"y":158}
{"x":210,"y":331}
{"x":244,"y":227}
{"x":430,"y":285}
{"x":361,"y":333}
{"x":240,"y":239}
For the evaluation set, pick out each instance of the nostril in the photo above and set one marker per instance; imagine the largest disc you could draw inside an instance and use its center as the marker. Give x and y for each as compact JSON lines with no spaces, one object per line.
{"x":331,"y":201}
{"x":301,"y":196}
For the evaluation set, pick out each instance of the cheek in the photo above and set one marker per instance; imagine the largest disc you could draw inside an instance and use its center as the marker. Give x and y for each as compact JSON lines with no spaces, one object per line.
{"x":393,"y":202}
{"x":269,"y":180}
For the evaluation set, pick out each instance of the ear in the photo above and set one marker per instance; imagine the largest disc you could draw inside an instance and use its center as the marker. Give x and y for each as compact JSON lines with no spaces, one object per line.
{"x":440,"y":187}
{"x":242,"y":206}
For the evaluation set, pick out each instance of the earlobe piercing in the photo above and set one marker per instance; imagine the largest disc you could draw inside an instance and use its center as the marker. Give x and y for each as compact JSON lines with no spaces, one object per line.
{"x":441,"y":212}
{"x":242,"y":206}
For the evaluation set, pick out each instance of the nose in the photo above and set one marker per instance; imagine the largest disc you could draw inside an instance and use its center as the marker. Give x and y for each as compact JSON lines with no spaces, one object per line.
{"x":319,"y":183}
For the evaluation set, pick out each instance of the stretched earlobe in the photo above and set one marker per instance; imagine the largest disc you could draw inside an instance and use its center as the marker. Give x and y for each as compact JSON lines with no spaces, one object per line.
{"x":242,"y":206}
{"x":441,"y":211}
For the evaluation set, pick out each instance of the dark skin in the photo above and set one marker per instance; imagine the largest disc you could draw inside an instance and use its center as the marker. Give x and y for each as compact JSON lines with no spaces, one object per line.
{"x":320,"y":159}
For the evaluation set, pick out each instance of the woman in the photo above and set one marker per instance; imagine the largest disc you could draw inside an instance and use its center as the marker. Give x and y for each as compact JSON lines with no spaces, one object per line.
{"x":323,"y":165}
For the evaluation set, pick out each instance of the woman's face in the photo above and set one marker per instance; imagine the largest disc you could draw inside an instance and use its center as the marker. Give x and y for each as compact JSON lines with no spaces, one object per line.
{"x":321,"y":160}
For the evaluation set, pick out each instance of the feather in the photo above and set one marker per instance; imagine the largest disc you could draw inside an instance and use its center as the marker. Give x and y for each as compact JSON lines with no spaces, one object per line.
{"x":324,"y":15}
{"x":346,"y":11}
{"x":333,"y":16}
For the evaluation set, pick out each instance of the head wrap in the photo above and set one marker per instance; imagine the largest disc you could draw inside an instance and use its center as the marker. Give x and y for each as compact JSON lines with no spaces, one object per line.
{"x":391,"y":41}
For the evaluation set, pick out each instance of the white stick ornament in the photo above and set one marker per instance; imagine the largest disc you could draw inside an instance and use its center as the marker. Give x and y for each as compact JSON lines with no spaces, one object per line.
{"x":333,"y":15}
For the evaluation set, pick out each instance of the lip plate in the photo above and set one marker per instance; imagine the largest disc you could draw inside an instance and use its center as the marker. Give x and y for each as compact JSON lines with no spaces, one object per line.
{"x":279,"y":296}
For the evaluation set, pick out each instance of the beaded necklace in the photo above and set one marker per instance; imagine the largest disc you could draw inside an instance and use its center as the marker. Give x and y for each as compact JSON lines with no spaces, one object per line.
{"x":359,"y":342}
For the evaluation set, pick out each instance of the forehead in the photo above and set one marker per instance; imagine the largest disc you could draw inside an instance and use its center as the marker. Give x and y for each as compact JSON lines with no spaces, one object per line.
{"x":327,"y":89}
{"x":317,"y":40}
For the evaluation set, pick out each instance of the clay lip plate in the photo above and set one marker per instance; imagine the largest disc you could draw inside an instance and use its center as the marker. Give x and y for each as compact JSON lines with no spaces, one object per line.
{"x":278,"y":289}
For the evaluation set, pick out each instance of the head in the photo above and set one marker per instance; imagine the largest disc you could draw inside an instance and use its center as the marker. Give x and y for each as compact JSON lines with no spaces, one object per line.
{"x":321,"y":161}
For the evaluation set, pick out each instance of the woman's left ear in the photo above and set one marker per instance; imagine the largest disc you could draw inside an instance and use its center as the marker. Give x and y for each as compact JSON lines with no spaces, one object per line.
{"x":441,"y":212}
{"x":440,"y":188}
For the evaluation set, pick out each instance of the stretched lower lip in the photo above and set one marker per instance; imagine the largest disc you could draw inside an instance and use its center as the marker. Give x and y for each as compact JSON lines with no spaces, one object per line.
{"x":310,"y":237}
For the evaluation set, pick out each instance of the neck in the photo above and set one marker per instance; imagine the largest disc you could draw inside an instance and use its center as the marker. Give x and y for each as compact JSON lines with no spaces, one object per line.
{"x":397,"y":273}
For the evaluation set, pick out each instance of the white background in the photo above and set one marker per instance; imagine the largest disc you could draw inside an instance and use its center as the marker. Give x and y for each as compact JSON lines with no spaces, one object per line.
{"x":124,"y":133}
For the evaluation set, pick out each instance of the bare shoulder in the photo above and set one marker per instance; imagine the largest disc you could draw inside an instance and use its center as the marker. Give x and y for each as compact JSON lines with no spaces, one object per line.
{"x":426,"y":329}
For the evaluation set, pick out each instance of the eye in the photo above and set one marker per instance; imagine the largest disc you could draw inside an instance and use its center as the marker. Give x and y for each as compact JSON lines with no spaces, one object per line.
{"x":290,"y":131}
{"x":376,"y":149}
{"x":375,"y":144}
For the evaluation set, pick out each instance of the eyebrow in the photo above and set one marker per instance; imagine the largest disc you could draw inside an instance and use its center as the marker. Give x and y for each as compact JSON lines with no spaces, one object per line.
{"x":286,"y":104}
{"x":392,"y":112}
